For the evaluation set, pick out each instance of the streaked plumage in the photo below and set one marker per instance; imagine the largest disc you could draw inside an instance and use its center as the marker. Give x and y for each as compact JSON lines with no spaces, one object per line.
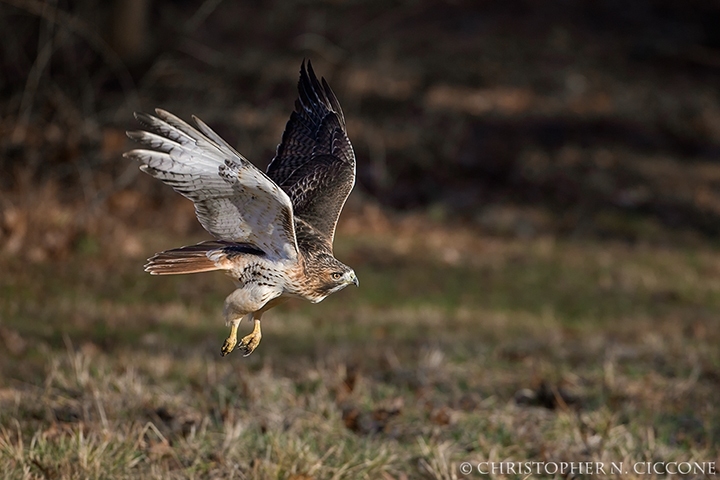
{"x":274,"y":231}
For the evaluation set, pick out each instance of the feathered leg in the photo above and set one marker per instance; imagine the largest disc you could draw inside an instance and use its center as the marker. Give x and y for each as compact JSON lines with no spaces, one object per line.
{"x":234,"y":314}
{"x":250,"y":342}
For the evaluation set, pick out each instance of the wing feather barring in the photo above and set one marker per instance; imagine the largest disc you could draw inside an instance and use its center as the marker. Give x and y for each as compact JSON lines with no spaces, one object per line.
{"x":273,"y":231}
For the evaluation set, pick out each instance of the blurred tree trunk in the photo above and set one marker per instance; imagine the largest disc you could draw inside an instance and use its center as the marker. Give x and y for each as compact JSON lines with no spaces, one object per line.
{"x":130,"y":34}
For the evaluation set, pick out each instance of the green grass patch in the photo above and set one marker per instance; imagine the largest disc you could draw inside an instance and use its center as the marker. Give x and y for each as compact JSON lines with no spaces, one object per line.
{"x":541,"y":350}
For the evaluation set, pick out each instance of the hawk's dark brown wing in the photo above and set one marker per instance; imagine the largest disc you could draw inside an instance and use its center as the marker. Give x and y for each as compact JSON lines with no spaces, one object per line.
{"x":315,"y":162}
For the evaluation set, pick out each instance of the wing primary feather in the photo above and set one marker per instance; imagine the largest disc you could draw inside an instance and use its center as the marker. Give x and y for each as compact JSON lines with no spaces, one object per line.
{"x":315,"y":162}
{"x":334,"y":103}
{"x":210,"y":133}
{"x":234,"y":201}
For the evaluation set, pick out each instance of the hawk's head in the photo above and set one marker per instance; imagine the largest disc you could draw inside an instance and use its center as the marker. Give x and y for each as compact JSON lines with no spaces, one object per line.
{"x":331,"y":276}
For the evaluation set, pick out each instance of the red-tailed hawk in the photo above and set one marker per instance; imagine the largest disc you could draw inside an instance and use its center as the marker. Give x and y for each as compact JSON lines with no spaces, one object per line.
{"x":274,"y":230}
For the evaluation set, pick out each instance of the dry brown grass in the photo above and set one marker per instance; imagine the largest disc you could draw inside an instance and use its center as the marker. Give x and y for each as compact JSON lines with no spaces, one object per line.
{"x":458,"y":347}
{"x":580,"y":323}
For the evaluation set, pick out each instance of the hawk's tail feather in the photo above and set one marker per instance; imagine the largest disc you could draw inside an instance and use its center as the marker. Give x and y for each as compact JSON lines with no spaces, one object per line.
{"x":191,"y":259}
{"x":203,"y":257}
{"x":180,"y":260}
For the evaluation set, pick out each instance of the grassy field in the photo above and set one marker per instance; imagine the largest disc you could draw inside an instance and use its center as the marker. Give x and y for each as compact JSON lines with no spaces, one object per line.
{"x":578,"y":320}
{"x":457,"y":347}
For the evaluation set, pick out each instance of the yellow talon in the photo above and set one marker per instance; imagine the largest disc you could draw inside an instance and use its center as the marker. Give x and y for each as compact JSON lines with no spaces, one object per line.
{"x":250,"y":342}
{"x":231,"y":341}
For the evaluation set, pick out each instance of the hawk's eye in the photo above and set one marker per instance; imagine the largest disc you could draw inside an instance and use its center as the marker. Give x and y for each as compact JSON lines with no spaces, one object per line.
{"x":336,"y":276}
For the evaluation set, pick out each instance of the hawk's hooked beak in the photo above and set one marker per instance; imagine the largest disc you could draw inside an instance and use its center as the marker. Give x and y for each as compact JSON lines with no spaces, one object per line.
{"x":354,"y":279}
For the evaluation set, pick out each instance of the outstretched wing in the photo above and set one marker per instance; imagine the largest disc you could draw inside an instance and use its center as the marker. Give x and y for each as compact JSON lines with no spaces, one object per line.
{"x":315,"y":162}
{"x":234,"y":201}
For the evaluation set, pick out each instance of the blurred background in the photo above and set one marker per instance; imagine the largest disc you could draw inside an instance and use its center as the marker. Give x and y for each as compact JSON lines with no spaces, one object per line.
{"x":534,"y":226}
{"x":518,"y":117}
